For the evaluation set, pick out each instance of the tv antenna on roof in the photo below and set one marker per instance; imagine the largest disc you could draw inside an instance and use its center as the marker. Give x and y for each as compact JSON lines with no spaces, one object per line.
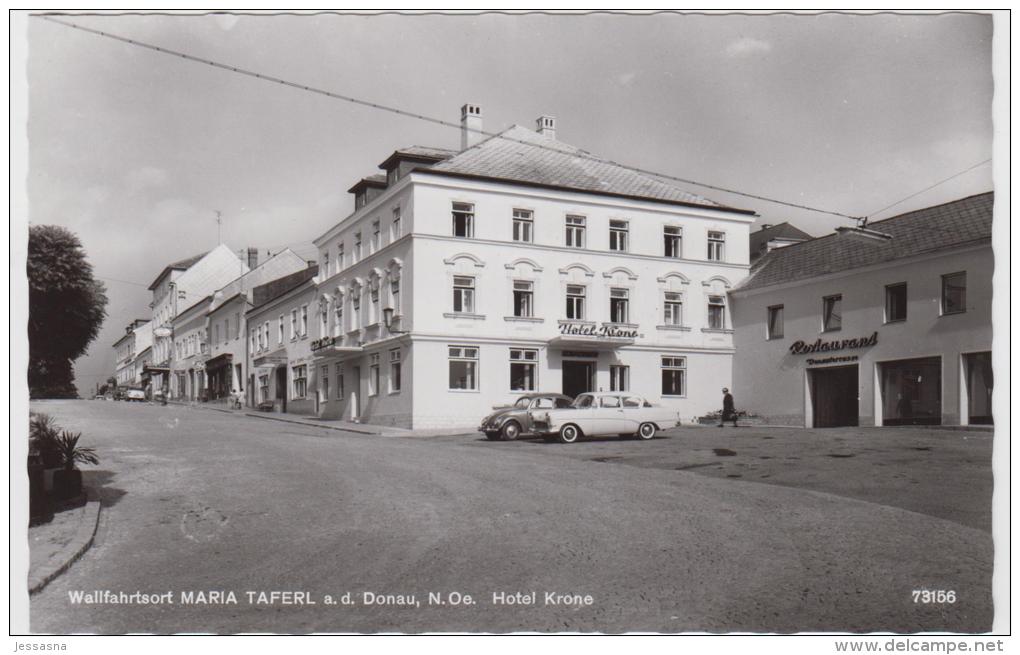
{"x":219,"y":223}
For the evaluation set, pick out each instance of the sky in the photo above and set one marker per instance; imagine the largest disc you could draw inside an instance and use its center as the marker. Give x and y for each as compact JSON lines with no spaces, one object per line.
{"x":135,"y":150}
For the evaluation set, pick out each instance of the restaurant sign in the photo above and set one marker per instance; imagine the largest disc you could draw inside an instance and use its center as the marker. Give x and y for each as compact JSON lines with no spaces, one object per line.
{"x":589,"y":330}
{"x":819,"y":346}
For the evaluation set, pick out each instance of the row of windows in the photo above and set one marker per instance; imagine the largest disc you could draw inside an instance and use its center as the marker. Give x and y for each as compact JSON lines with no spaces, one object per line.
{"x":577,"y":303}
{"x":463,"y":364}
{"x":259,"y":337}
{"x":225,"y":332}
{"x":339,"y":260}
{"x":299,"y":379}
{"x":576,"y":232}
{"x":953,"y":301}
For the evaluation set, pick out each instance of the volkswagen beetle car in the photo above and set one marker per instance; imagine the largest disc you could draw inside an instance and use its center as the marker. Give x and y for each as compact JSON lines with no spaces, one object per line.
{"x":508,"y":423}
{"x":134,"y":393}
{"x":599,"y":414}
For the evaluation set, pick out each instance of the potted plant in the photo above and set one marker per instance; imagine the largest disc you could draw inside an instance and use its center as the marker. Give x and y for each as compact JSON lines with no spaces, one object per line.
{"x":67,"y":481}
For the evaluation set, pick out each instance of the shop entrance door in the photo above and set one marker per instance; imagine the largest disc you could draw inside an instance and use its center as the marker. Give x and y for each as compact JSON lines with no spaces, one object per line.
{"x":578,"y":378}
{"x":281,"y":387}
{"x":834,"y":396}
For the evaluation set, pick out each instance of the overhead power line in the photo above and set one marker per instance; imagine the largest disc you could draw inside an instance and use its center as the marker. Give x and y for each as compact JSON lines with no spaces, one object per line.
{"x":437,"y":121}
{"x":929,"y":188}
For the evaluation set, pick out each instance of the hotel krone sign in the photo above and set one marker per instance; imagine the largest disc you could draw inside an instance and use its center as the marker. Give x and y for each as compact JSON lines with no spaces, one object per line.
{"x":603,"y":332}
{"x":819,"y":346}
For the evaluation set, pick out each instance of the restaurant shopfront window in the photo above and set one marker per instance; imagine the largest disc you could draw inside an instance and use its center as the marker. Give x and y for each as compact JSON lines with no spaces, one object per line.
{"x":911,"y":391}
{"x":977,"y":371}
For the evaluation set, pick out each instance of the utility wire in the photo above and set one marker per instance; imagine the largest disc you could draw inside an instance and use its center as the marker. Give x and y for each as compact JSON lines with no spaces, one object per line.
{"x":429,"y":119}
{"x":928,"y":188}
{"x":113,"y":279}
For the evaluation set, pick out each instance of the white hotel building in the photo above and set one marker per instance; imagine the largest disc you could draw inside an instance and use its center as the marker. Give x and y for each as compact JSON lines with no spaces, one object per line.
{"x":521,"y":264}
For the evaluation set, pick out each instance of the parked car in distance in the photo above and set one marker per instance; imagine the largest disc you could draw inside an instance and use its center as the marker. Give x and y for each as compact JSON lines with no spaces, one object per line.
{"x":600,"y":414}
{"x":134,"y":393}
{"x":512,"y":421}
{"x":118,"y":393}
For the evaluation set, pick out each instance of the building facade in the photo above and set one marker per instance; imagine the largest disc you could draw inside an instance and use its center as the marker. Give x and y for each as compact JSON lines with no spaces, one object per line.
{"x":190,"y":351}
{"x":137,"y":337}
{"x":279,"y":354}
{"x":887,"y":325}
{"x":180,"y":285}
{"x":521,"y":264}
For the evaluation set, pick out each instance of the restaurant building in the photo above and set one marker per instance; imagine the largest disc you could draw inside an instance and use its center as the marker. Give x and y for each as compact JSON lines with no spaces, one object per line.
{"x":520,"y":263}
{"x":889,"y":324}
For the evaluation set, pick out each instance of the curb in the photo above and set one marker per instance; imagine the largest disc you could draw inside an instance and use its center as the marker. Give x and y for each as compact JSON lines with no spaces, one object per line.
{"x":269,"y":417}
{"x":82,"y":541}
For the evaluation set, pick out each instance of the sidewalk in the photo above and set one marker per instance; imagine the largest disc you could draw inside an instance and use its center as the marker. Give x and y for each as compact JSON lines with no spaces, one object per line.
{"x":331,"y":424}
{"x":55,"y":545}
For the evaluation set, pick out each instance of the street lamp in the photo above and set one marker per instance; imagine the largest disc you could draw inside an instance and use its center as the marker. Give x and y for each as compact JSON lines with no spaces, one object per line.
{"x":388,"y":321}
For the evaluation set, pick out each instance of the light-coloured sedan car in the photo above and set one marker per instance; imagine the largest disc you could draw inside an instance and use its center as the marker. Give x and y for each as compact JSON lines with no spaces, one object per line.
{"x":600,"y":414}
{"x":135,"y":394}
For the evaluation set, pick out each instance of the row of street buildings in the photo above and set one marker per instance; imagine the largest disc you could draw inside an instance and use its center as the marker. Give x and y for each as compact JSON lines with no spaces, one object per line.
{"x":464,"y":278}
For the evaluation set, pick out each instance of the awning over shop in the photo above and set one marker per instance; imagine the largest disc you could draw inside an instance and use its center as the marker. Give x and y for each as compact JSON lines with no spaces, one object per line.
{"x":219,"y":361}
{"x":331,"y":347}
{"x":336,"y":351}
{"x":269,"y":361}
{"x":582,"y":342}
{"x":150,"y":369}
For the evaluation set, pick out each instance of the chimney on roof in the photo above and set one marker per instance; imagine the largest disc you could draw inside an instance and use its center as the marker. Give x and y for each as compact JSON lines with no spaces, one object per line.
{"x":546,"y":126}
{"x":765,"y":226}
{"x":470,"y":125}
{"x":253,"y":258}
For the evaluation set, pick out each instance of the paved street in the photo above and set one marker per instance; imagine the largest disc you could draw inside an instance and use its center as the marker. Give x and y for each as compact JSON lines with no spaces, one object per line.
{"x":200,"y":500}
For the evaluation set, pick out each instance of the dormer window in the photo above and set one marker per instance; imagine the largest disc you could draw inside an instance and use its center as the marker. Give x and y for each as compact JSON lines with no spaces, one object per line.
{"x":392,"y":176}
{"x":360,"y":200}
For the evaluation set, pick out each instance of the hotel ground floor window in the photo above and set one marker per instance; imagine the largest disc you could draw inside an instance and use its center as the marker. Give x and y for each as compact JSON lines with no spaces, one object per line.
{"x":674,"y":374}
{"x":523,"y":365}
{"x":911,"y":391}
{"x":373,"y":374}
{"x":977,"y":371}
{"x":300,"y":377}
{"x":263,"y":388}
{"x":324,"y":389}
{"x":619,"y":378}
{"x":339,"y":369}
{"x":463,"y":368}
{"x":395,"y":370}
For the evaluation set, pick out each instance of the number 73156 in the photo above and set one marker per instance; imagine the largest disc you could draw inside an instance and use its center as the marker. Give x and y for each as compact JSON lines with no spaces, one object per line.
{"x":934,"y":596}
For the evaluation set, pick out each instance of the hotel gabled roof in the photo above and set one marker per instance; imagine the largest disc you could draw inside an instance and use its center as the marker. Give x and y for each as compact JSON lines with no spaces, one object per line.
{"x":522,"y":156}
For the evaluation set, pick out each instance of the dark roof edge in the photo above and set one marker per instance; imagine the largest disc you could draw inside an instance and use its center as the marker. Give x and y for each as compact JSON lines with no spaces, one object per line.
{"x":164,"y":273}
{"x":367,"y":181}
{"x":539,"y":185}
{"x":397,"y":154}
{"x":297,"y":287}
{"x":913,"y":211}
{"x":224,"y":302}
{"x":748,"y":283}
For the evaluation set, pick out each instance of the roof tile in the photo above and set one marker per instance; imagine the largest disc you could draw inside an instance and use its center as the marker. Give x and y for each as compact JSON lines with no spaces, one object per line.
{"x":956,"y":223}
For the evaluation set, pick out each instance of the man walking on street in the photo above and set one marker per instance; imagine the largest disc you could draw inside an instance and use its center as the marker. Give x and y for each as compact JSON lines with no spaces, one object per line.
{"x":728,"y":413}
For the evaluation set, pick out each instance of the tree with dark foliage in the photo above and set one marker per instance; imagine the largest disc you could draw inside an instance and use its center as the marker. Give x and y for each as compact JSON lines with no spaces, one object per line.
{"x":66,"y":306}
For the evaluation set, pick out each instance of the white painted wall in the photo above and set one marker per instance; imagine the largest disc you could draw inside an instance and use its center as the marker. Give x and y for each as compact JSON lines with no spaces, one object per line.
{"x":768,"y":380}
